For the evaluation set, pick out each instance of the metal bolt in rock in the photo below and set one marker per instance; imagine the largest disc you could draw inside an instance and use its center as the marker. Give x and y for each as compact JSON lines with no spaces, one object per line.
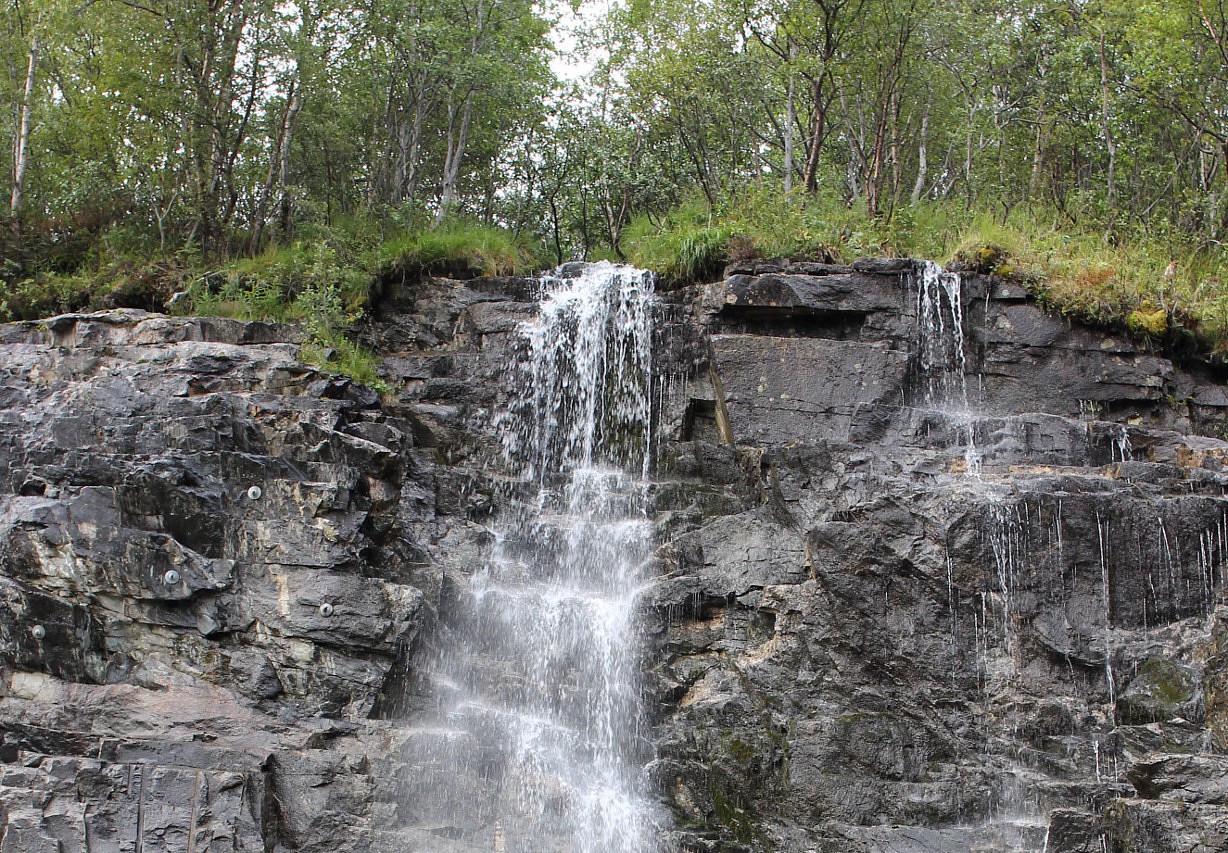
{"x":326,"y":610}
{"x":171,"y":578}
{"x":38,"y":632}
{"x":254,"y":493}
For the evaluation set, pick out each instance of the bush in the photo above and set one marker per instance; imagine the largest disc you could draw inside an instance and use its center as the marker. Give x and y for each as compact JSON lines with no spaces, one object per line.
{"x":686,"y":248}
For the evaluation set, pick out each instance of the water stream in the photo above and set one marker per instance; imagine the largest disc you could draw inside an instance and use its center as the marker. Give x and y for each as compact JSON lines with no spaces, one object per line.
{"x":540,"y":693}
{"x":941,"y":355}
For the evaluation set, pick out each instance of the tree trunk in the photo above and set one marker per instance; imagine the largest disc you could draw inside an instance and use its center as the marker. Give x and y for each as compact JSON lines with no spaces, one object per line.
{"x":918,"y":188}
{"x":1038,"y":152}
{"x":790,"y":119}
{"x":283,"y":164}
{"x":275,"y":178}
{"x":161,"y":213}
{"x":895,"y":149}
{"x":969,"y":193}
{"x":212,"y":82}
{"x":452,"y":163}
{"x":409,"y":190}
{"x":21,"y":147}
{"x":857,"y":164}
{"x":1109,"y":143}
{"x":874,"y":170}
{"x":818,"y":130}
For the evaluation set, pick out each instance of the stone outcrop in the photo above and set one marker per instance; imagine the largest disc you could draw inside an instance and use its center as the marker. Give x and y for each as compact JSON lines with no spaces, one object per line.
{"x":884,"y":621}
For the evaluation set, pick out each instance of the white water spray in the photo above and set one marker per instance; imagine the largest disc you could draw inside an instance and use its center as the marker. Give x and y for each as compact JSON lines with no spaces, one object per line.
{"x":545,"y":695}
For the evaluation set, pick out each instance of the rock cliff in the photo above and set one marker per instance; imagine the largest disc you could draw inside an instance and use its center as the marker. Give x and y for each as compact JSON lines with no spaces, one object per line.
{"x":914,"y":595}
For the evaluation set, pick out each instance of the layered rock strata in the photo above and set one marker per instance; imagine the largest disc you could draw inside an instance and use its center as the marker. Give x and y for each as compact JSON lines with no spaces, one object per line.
{"x":884,"y":620}
{"x":893,"y":622}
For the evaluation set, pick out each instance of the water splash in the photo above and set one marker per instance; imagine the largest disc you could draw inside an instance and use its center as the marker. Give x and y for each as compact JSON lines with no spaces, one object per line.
{"x":941,"y":355}
{"x":543,"y":670}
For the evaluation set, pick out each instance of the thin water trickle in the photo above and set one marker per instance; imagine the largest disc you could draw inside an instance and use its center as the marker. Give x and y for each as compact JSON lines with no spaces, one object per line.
{"x":1122,"y":452}
{"x":543,"y":672}
{"x":1006,"y":532}
{"x":941,"y":356}
{"x":1103,"y":536}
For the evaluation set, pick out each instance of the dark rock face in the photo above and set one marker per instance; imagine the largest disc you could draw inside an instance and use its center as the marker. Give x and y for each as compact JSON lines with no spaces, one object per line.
{"x":180,"y":497}
{"x":222,"y":571}
{"x":863,"y":645}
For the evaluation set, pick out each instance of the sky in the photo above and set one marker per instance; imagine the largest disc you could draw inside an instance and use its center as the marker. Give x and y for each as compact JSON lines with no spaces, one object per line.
{"x":568,"y":63}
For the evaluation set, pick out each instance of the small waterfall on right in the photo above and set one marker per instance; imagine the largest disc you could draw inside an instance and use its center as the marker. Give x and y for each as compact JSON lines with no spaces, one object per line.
{"x":1015,"y":819}
{"x":942,"y":359}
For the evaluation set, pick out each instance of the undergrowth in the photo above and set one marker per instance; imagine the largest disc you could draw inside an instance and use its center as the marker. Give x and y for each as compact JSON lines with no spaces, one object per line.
{"x":325,"y":281}
{"x":1149,"y":281}
{"x":461,"y":249}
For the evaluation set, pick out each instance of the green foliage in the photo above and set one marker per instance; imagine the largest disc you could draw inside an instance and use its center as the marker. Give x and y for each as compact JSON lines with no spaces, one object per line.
{"x":328,"y":346}
{"x":1164,"y":287}
{"x":117,"y":283}
{"x":763,"y":224}
{"x":44,"y":295}
{"x":307,"y":265}
{"x":1072,"y":146}
{"x":681,"y":254}
{"x":460,"y":249}
{"x":683,"y":249}
{"x":298,"y":284}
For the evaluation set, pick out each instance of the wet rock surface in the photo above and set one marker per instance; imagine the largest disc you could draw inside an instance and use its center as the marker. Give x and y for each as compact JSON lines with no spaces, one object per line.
{"x":950,"y":626}
{"x":884,"y":621}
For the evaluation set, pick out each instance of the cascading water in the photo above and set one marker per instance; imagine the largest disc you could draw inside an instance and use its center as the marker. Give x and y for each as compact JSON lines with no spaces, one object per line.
{"x":1007,"y":538}
{"x":941,"y":319}
{"x":1104,"y":538}
{"x":538,"y":696}
{"x":941,"y":357}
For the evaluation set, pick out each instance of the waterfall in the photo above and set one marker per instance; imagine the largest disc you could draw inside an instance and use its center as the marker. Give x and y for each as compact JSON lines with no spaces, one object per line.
{"x":538,"y":690}
{"x":941,"y":355}
{"x":940,"y":317}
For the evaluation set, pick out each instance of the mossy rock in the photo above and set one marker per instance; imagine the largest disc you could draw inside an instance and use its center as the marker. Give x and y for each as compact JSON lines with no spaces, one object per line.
{"x":1161,"y":691}
{"x":1148,"y":320}
{"x":986,"y":258}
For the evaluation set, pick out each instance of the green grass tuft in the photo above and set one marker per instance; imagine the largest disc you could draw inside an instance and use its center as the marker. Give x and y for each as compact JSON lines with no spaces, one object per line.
{"x":1156,"y":286}
{"x":460,"y":250}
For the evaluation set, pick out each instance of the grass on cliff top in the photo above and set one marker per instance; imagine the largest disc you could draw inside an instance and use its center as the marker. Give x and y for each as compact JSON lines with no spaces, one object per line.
{"x":325,"y":280}
{"x":1156,"y":286}
{"x":462,"y":249}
